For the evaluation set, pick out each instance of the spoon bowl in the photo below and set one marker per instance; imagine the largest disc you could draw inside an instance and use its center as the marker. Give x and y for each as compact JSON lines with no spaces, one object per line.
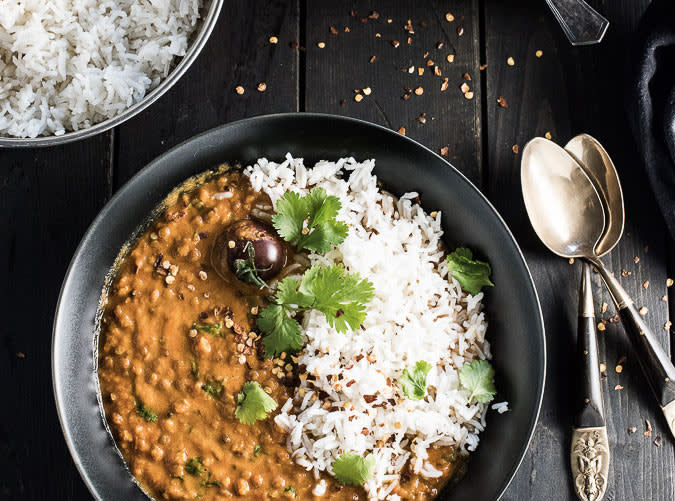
{"x":597,"y":163}
{"x":562,"y":202}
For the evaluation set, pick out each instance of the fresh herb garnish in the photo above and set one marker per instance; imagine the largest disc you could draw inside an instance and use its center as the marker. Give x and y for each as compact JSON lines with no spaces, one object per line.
{"x":213,"y":388}
{"x":414,"y":382}
{"x":245,"y":269}
{"x":352,"y":469}
{"x":215,"y":329}
{"x":146,"y":412}
{"x":290,"y":489}
{"x":194,"y":368}
{"x":310,"y":221}
{"x":479,"y":378}
{"x":210,"y":483}
{"x":253,"y":403}
{"x":341,"y":296}
{"x":257,"y":450}
{"x":471,"y":274}
{"x":194,"y":466}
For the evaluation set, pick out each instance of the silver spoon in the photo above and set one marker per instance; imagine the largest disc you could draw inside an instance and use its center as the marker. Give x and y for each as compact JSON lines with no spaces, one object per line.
{"x":567,"y":214}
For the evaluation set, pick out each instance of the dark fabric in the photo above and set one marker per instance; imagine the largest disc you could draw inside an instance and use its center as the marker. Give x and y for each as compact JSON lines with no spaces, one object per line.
{"x":651,"y":102}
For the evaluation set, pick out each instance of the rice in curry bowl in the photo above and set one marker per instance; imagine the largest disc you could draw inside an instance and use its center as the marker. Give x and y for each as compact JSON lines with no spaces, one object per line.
{"x":291,"y":332}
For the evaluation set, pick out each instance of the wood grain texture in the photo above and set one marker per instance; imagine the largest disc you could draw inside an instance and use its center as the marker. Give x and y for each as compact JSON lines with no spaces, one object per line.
{"x":568,"y":91}
{"x":48,"y":197}
{"x":334,"y":72}
{"x":238,"y":53}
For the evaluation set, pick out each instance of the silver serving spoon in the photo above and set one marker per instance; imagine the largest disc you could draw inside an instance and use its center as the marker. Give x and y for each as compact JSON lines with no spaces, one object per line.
{"x":567,"y":214}
{"x":581,"y":23}
{"x":590,"y":428}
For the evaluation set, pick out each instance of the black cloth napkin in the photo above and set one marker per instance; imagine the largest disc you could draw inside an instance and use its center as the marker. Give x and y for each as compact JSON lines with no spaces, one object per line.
{"x":651,"y":102}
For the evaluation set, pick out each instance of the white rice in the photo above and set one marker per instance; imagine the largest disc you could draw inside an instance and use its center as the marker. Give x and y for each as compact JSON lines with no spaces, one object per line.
{"x":68,"y":64}
{"x":418,"y":313}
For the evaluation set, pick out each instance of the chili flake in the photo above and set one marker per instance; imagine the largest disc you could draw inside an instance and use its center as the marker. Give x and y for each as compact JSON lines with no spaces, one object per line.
{"x":239,"y":89}
{"x":449,"y":17}
{"x":539,"y":53}
{"x":262,"y":87}
{"x":451,"y":58}
{"x":401,"y":130}
{"x":274,"y":40}
{"x":515,"y":148}
{"x":510,"y":61}
{"x":502,"y":102}
{"x":419,"y":91}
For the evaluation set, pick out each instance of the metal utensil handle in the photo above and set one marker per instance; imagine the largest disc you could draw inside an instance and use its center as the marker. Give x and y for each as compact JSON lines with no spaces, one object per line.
{"x":590,"y":411}
{"x":582,"y":24}
{"x":653,"y":359}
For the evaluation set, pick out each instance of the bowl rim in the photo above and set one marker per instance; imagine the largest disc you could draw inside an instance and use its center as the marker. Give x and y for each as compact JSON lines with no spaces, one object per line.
{"x":202,"y":36}
{"x":101,"y":216}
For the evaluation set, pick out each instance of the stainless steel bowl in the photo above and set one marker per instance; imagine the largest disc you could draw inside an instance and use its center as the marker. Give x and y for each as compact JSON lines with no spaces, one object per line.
{"x":208,"y":20}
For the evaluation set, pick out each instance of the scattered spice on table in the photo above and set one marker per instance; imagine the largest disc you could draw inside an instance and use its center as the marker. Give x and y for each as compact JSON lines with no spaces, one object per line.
{"x":444,"y":151}
{"x":437,"y":71}
{"x":239,"y":89}
{"x":570,"y":260}
{"x":658,"y":441}
{"x":358,"y":98}
{"x":464,"y":88}
{"x":502,"y":102}
{"x":603,"y":367}
{"x":664,"y":298}
{"x":601,"y":325}
{"x":539,"y":53}
{"x":367,"y":91}
{"x":333,"y":30}
{"x":468,"y":95}
{"x":667,"y":325}
{"x":451,"y":58}
{"x":395,"y":43}
{"x":515,"y":149}
{"x":645,"y":284}
{"x":460,"y":31}
{"x":444,"y":85}
{"x":439,"y":45}
{"x":419,"y":91}
{"x":422,"y":118}
{"x":321,"y":45}
{"x":401,"y":130}
{"x":420,"y":71}
{"x":604,"y":308}
{"x":274,"y":40}
{"x":372,"y":59}
{"x":466,"y":76}
{"x":643,"y":311}
{"x":669,"y":282}
{"x":449,"y":17}
{"x":510,"y":61}
{"x":483,"y":66}
{"x":648,"y":428}
{"x":548,"y":135}
{"x":618,"y":387}
{"x":20,"y":354}
{"x":262,"y":87}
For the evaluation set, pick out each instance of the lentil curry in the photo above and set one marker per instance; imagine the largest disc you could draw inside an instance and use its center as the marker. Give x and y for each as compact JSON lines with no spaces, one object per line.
{"x":178,"y":343}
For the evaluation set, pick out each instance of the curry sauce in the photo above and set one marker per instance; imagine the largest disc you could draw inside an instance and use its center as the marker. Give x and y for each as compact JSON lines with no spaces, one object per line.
{"x":178,"y":343}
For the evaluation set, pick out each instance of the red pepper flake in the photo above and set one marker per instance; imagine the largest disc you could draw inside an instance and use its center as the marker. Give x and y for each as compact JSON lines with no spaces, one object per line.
{"x":444,"y":151}
{"x":460,"y":31}
{"x":466,"y":76}
{"x":419,"y":91}
{"x":358,"y":357}
{"x":369,"y":398}
{"x":502,"y":102}
{"x":483,"y":66}
{"x":409,"y":27}
{"x":20,"y":354}
{"x":422,"y":118}
{"x":372,"y":59}
{"x":401,"y":130}
{"x":365,"y":431}
{"x":395,"y":43}
{"x":409,"y":40}
{"x":352,"y":13}
{"x":426,"y":55}
{"x":374,"y":15}
{"x":631,"y":430}
{"x":618,"y":387}
{"x":430,"y":62}
{"x":239,"y":89}
{"x":444,"y":85}
{"x":439,"y":45}
{"x":262,"y":87}
{"x":333,"y":30}
{"x":347,"y":30}
{"x":449,"y":17}
{"x":658,"y":441}
{"x":351,"y":382}
{"x":648,"y":428}
{"x":515,"y":148}
{"x":437,"y":71}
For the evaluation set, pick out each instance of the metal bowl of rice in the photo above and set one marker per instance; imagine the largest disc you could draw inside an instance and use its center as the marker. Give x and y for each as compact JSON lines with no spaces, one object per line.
{"x":66,"y":77}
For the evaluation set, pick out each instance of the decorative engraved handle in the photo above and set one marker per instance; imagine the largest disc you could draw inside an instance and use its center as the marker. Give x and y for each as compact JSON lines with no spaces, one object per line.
{"x":581,"y":23}
{"x":589,"y":460}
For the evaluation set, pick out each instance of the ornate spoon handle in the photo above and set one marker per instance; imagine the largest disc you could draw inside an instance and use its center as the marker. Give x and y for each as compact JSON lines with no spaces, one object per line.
{"x":581,"y":23}
{"x":589,"y":454}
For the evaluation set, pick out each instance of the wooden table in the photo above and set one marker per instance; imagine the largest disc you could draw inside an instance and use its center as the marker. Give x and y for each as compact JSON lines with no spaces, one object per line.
{"x":48,"y":197}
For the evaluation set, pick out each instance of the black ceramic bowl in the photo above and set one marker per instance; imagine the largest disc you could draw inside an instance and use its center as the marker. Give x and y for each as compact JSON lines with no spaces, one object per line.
{"x":516,"y":330}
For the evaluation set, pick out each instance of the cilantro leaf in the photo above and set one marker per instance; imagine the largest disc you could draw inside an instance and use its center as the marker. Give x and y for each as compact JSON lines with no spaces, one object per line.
{"x":310,"y":222}
{"x":194,"y":466}
{"x":341,"y":296}
{"x":352,"y":469}
{"x":213,"y":388}
{"x":478,"y":377}
{"x":283,"y":332}
{"x":414,"y":383}
{"x":289,"y":295}
{"x":471,"y":274}
{"x":146,"y":412}
{"x":253,"y":403}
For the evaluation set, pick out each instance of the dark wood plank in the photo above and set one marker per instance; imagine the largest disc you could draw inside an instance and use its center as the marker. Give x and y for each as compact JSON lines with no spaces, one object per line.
{"x":48,"y":197}
{"x":567,"y":91}
{"x":334,"y":72}
{"x":238,"y":53}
